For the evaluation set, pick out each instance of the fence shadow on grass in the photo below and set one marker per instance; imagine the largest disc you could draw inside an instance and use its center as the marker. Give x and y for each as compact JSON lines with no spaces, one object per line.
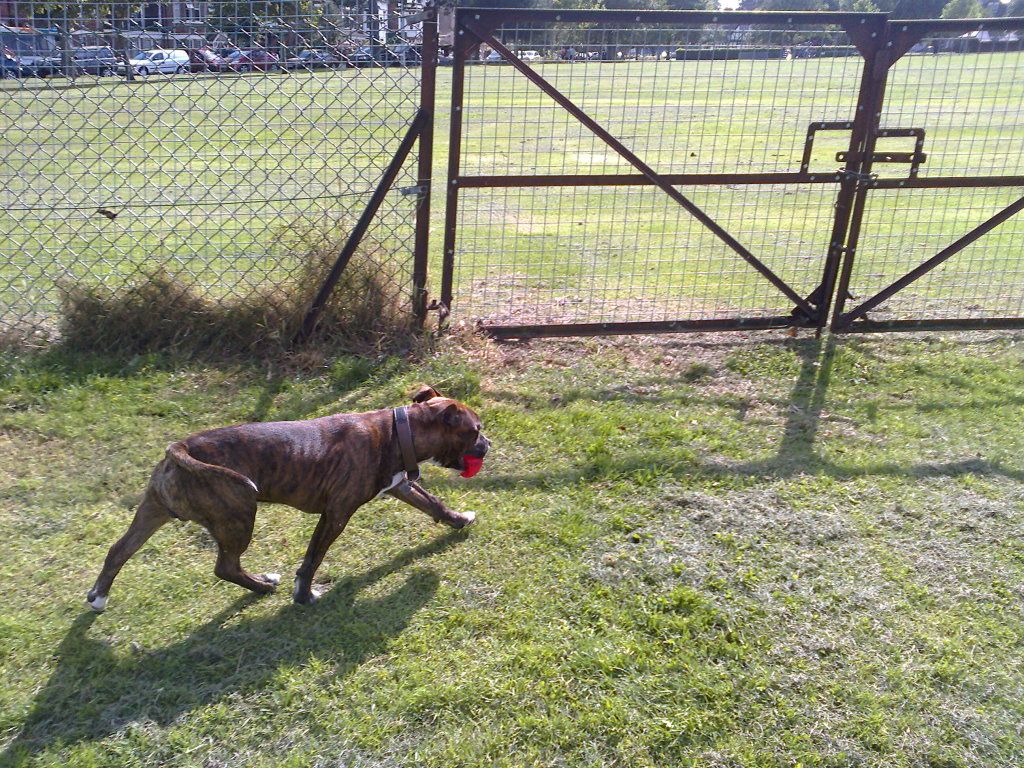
{"x":94,"y":692}
{"x":796,"y":452}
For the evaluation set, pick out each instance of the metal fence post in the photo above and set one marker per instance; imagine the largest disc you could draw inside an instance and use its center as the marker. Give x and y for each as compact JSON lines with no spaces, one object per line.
{"x":454,"y":156}
{"x":428,"y":85}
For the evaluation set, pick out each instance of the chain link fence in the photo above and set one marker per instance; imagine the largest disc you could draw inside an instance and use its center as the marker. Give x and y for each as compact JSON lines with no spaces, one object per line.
{"x":185,"y":173}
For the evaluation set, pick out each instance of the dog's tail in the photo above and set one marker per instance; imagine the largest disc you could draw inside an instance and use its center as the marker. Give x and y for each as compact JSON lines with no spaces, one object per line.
{"x":178,"y":453}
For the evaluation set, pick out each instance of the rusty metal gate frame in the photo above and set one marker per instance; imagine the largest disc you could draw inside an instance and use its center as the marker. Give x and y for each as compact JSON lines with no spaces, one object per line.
{"x":476,"y":26}
{"x":899,"y":38}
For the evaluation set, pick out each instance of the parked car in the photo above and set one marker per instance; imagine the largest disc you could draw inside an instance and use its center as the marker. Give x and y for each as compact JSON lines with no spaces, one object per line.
{"x":253,"y":60}
{"x":33,"y":51}
{"x":494,"y":58}
{"x":373,"y":56}
{"x":408,"y":55}
{"x":40,"y":66}
{"x":9,"y":65}
{"x":530,"y":56}
{"x":205,"y":60}
{"x":159,"y":61}
{"x":93,"y":60}
{"x":313,"y":59}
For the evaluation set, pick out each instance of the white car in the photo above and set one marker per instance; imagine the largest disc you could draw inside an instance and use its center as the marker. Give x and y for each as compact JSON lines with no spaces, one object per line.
{"x":159,"y":61}
{"x":530,"y":56}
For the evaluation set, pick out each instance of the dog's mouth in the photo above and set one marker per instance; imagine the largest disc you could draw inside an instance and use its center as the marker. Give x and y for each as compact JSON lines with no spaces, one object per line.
{"x":467,"y":464}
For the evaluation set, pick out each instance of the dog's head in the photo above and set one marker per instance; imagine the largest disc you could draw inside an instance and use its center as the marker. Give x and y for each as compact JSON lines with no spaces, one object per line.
{"x":463,"y":443}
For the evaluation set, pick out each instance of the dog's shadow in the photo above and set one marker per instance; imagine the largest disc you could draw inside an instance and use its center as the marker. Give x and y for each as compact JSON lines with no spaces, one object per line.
{"x":95,"y":691}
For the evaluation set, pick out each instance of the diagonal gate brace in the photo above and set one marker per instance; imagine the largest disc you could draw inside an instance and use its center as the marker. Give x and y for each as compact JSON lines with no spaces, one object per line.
{"x":950,"y":250}
{"x":655,"y":178}
{"x":356,"y":236}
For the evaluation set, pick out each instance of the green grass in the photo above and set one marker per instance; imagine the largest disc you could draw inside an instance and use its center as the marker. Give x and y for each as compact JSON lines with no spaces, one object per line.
{"x":690,"y":551}
{"x":732,"y":551}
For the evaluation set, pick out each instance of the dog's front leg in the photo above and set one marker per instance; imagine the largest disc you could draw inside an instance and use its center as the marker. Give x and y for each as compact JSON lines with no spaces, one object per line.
{"x":331,"y":524}
{"x":414,"y":494}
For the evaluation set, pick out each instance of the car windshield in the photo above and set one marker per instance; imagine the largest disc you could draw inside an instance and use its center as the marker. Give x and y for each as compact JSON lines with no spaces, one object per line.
{"x":141,"y":56}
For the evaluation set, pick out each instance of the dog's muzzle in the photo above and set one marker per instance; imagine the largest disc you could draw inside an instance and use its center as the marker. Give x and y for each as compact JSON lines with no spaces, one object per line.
{"x":473,"y":459}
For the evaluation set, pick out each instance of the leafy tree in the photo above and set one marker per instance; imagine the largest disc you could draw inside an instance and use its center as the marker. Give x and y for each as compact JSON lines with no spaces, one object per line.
{"x":963,"y":9}
{"x":918,"y":9}
{"x":1016,"y":8}
{"x":787,"y":5}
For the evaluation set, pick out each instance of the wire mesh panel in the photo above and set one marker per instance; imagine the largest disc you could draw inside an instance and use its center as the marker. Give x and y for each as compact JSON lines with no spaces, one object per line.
{"x":217,"y":150}
{"x":557,"y":225}
{"x":965,"y":89}
{"x":903,"y":228}
{"x":558,"y":255}
{"x":941,"y":246}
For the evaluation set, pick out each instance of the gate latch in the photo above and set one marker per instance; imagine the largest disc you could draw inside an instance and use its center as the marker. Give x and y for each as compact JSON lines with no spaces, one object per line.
{"x":915,"y":158}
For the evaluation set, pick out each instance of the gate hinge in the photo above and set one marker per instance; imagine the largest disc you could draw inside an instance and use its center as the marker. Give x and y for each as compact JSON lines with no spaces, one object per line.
{"x":419,"y":190}
{"x":438,"y":306}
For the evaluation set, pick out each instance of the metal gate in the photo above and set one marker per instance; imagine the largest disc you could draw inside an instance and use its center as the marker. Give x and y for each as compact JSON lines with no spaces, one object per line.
{"x":624,"y":172}
{"x":932,"y":242}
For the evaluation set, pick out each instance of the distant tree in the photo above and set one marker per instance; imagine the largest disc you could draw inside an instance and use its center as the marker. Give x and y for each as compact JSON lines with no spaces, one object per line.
{"x":692,"y":5}
{"x":1016,"y":8}
{"x":963,"y":9}
{"x":785,"y":5}
{"x":898,"y":9}
{"x":918,"y":9}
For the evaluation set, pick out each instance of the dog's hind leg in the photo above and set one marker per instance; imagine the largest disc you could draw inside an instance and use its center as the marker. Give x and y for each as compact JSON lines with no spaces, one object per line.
{"x":233,"y":532}
{"x":149,"y":517}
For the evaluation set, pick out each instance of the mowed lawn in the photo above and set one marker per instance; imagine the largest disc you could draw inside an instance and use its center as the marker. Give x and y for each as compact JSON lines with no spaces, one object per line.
{"x":209,"y":177}
{"x":733,"y":551}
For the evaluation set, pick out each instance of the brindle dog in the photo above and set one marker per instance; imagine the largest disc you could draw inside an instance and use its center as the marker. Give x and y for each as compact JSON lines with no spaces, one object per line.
{"x":329,"y":466}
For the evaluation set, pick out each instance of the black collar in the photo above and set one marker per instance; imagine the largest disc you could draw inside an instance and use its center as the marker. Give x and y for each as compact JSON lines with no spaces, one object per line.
{"x":404,"y":432}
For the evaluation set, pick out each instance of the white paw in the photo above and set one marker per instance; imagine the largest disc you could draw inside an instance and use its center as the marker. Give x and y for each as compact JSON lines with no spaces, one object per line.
{"x":314,"y":595}
{"x":273,"y":578}
{"x":98,"y":603}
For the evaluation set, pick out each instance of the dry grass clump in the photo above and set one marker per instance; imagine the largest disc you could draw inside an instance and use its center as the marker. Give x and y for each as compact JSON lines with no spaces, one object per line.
{"x":163,"y":311}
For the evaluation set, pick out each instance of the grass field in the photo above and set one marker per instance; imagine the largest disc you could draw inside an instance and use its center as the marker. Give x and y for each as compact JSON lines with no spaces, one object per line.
{"x":735,"y":551}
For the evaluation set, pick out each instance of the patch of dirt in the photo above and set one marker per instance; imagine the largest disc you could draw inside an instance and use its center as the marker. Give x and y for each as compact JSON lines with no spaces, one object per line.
{"x":668,"y":352}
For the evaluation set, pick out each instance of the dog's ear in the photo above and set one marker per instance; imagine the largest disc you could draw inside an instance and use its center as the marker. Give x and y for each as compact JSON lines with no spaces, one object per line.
{"x":425,"y":393}
{"x":450,"y":415}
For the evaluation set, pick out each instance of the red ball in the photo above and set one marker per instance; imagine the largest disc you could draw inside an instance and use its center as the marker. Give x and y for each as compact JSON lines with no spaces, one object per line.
{"x":472,"y":465}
